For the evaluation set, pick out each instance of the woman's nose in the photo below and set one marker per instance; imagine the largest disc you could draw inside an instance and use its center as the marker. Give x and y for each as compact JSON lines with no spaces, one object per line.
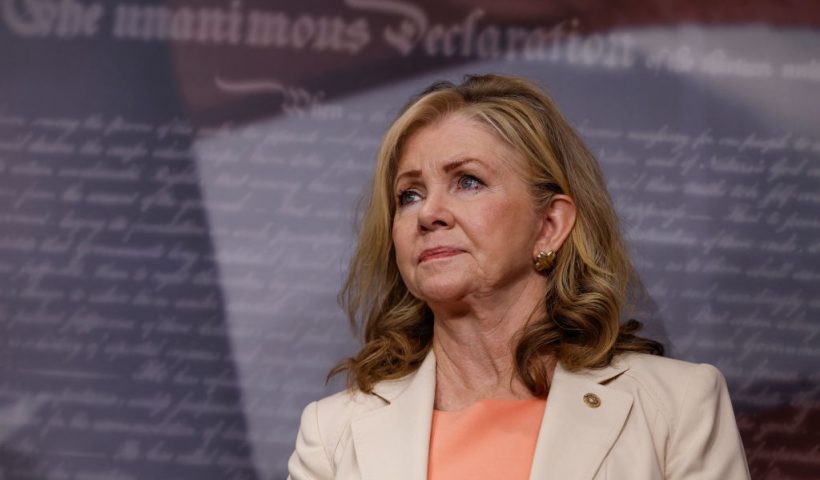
{"x":435,"y":212}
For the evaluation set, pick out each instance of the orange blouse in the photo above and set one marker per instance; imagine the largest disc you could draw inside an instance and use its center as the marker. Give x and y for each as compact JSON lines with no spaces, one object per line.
{"x":491,"y":439}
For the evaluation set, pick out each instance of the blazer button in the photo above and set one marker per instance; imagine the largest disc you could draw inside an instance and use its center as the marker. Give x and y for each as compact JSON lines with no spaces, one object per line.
{"x":592,"y":400}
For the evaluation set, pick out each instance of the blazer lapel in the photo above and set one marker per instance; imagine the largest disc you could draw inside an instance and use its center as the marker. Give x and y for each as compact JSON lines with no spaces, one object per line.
{"x":575,"y":437}
{"x":393,"y":442}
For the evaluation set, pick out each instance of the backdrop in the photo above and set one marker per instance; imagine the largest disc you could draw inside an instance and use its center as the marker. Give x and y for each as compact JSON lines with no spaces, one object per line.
{"x":179,"y":183}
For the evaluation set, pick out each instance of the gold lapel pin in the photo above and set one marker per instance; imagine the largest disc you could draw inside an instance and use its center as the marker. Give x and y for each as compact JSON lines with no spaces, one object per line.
{"x":592,"y":400}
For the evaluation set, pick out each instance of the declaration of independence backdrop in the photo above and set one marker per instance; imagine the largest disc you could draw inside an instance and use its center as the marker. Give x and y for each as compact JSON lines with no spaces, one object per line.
{"x":178,"y":182}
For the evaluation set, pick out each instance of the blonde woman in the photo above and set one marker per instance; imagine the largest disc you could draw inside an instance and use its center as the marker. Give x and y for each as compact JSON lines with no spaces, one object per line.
{"x":489,"y":280}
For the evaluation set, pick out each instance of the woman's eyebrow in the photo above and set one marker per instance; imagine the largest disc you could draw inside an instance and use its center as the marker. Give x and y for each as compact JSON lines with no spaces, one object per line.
{"x":407,"y":174}
{"x":447,"y":168}
{"x":459,"y":163}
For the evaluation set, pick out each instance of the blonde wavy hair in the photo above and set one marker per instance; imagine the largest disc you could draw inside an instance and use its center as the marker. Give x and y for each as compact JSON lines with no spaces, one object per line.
{"x":586,"y":289}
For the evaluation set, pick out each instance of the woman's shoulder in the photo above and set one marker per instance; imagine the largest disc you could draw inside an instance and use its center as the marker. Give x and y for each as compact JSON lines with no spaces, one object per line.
{"x":672,"y":385}
{"x":686,"y":407}
{"x":353,"y":400}
{"x":325,"y":431}
{"x":334,"y":412}
{"x":666,"y":372}
{"x":332,"y":415}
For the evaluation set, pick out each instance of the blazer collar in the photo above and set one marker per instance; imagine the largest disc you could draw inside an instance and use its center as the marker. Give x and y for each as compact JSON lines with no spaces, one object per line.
{"x":393,"y":441}
{"x":575,"y":437}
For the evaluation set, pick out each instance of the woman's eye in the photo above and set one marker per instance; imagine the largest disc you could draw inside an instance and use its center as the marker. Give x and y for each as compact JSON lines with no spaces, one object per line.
{"x":407,"y":196}
{"x":468,"y":182}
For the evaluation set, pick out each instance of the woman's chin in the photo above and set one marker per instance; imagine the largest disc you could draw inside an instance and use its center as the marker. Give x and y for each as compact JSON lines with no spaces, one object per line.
{"x":442,"y":292}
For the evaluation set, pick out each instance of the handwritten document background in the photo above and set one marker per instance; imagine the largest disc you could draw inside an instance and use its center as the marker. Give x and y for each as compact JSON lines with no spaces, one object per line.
{"x":178,"y":194}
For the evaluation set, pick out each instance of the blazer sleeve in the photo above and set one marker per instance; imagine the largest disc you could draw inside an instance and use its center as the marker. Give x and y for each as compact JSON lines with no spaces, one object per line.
{"x":310,"y":460}
{"x":705,"y":442}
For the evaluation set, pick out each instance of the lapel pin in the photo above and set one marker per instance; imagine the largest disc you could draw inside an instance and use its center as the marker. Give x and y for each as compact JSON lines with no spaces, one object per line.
{"x":592,"y":400}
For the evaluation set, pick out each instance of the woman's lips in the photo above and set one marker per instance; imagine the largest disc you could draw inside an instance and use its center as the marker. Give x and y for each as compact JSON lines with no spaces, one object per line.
{"x":438,"y":252}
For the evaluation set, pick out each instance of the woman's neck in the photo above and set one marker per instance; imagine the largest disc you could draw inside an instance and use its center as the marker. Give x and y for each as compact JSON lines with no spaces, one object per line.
{"x":474,"y":347}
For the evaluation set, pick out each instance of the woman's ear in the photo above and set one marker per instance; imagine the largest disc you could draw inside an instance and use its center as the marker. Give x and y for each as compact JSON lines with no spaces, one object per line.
{"x":558,"y":219}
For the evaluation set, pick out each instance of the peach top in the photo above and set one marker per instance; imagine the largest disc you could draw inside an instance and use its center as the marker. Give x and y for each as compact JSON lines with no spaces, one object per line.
{"x":491,"y":439}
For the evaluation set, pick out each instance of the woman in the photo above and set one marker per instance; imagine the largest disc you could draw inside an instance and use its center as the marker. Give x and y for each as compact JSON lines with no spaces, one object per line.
{"x":490,"y":277}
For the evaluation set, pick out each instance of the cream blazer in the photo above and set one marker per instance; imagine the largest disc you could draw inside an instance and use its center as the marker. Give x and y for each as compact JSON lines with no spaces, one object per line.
{"x":655,"y":418}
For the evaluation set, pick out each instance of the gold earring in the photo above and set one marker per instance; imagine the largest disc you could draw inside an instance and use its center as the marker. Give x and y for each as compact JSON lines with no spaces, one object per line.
{"x":544,"y":260}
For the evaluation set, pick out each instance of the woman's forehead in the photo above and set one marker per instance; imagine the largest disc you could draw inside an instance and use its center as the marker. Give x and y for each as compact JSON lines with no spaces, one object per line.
{"x":457,"y":139}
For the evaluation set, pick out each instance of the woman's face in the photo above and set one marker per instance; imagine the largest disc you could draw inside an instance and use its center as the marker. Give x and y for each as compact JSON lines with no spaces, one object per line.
{"x":465,"y":225}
